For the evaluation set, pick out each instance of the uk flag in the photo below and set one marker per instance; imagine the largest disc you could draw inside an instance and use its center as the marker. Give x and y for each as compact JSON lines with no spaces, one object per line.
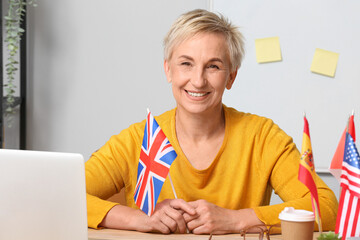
{"x":156,"y":157}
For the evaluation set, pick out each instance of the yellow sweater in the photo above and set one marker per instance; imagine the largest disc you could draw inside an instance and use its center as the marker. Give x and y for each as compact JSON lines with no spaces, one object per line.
{"x":255,"y":158}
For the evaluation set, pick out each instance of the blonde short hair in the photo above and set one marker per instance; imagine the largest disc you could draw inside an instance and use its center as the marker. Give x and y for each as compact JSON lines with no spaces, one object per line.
{"x":202,"y":21}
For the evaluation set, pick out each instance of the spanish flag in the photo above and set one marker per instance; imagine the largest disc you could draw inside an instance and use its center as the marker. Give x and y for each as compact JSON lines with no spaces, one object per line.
{"x":307,"y":172}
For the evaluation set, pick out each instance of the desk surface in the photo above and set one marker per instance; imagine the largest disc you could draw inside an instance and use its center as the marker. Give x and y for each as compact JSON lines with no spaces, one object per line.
{"x":111,"y":234}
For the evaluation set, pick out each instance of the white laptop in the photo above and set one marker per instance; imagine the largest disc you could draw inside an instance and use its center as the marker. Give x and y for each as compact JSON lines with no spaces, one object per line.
{"x":42,"y":196}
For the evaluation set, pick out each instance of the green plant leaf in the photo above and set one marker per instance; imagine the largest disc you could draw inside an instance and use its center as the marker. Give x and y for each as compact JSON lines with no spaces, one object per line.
{"x":13,"y":19}
{"x":329,"y":236}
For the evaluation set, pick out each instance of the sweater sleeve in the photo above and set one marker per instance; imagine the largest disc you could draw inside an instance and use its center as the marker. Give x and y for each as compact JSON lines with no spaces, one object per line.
{"x":279,"y":161}
{"x":107,"y":171}
{"x":101,"y":183}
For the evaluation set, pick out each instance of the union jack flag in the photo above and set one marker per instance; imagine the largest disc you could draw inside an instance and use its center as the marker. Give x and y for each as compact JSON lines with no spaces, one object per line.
{"x":156,"y":157}
{"x":348,"y":219}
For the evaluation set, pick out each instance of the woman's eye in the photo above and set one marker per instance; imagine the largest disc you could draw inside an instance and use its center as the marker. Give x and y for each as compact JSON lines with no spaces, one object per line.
{"x":186,"y":64}
{"x":214,"y":66}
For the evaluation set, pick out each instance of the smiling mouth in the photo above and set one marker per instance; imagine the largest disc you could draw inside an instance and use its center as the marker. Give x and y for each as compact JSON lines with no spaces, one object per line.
{"x":195,"y":94}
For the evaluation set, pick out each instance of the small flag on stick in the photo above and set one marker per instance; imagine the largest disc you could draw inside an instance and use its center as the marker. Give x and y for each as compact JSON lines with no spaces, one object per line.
{"x":307,"y":172}
{"x":348,"y":220}
{"x":336,"y":163}
{"x":156,"y":157}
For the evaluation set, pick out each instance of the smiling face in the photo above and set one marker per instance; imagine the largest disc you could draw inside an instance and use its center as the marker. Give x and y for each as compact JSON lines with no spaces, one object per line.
{"x":199,"y":70}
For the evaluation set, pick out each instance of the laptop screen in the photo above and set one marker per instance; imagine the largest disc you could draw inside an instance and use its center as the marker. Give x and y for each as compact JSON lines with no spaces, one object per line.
{"x":42,"y":195}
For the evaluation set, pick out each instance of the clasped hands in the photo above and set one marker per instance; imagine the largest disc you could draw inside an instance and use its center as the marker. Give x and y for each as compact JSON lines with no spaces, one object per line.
{"x":198,"y":217}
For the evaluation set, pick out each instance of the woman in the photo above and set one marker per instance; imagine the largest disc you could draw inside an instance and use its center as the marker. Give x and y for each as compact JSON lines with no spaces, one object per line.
{"x":228,"y":162}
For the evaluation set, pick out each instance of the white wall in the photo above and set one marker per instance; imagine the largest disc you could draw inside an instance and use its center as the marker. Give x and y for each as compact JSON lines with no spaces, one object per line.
{"x":284,"y":90}
{"x":94,"y":68}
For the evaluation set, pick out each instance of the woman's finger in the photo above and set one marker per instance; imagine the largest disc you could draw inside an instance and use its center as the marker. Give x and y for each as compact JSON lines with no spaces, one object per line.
{"x":177,"y":216}
{"x":180,"y":204}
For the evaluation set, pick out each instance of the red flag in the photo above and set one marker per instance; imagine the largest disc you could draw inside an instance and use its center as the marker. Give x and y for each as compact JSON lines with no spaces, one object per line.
{"x":307,"y":172}
{"x":336,"y":163}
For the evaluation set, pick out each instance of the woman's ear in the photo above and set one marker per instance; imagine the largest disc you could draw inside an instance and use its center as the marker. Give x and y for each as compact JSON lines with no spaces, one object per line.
{"x":231,"y":80}
{"x":167,"y":71}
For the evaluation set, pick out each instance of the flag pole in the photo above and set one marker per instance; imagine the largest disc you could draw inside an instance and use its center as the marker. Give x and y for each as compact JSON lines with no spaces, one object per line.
{"x":172,"y":186}
{"x":171,"y":182}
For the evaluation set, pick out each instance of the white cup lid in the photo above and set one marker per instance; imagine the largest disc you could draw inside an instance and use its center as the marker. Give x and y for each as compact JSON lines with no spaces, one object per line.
{"x":296,"y":215}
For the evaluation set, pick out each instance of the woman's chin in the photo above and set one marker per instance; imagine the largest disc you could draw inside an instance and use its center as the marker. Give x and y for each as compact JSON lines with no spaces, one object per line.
{"x":197,"y":109}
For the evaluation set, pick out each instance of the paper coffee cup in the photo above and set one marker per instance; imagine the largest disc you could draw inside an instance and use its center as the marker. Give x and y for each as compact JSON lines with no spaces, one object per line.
{"x":297,"y":224}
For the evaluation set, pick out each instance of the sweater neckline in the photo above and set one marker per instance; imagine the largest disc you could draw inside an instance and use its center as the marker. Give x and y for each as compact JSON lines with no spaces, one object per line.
{"x":217,"y":157}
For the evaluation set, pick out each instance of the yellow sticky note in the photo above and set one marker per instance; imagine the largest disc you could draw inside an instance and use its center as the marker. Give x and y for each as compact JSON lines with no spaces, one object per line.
{"x":268,"y":50}
{"x":324,"y":62}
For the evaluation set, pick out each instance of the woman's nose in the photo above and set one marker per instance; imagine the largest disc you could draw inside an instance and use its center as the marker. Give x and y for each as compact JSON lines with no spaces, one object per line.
{"x":198,"y":78}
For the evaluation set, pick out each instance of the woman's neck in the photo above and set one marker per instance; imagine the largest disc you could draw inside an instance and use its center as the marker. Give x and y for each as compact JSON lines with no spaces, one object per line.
{"x":198,"y":127}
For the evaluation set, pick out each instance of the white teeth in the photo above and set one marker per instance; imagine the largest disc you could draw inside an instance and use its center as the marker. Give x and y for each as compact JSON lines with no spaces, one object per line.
{"x":196,"y":94}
